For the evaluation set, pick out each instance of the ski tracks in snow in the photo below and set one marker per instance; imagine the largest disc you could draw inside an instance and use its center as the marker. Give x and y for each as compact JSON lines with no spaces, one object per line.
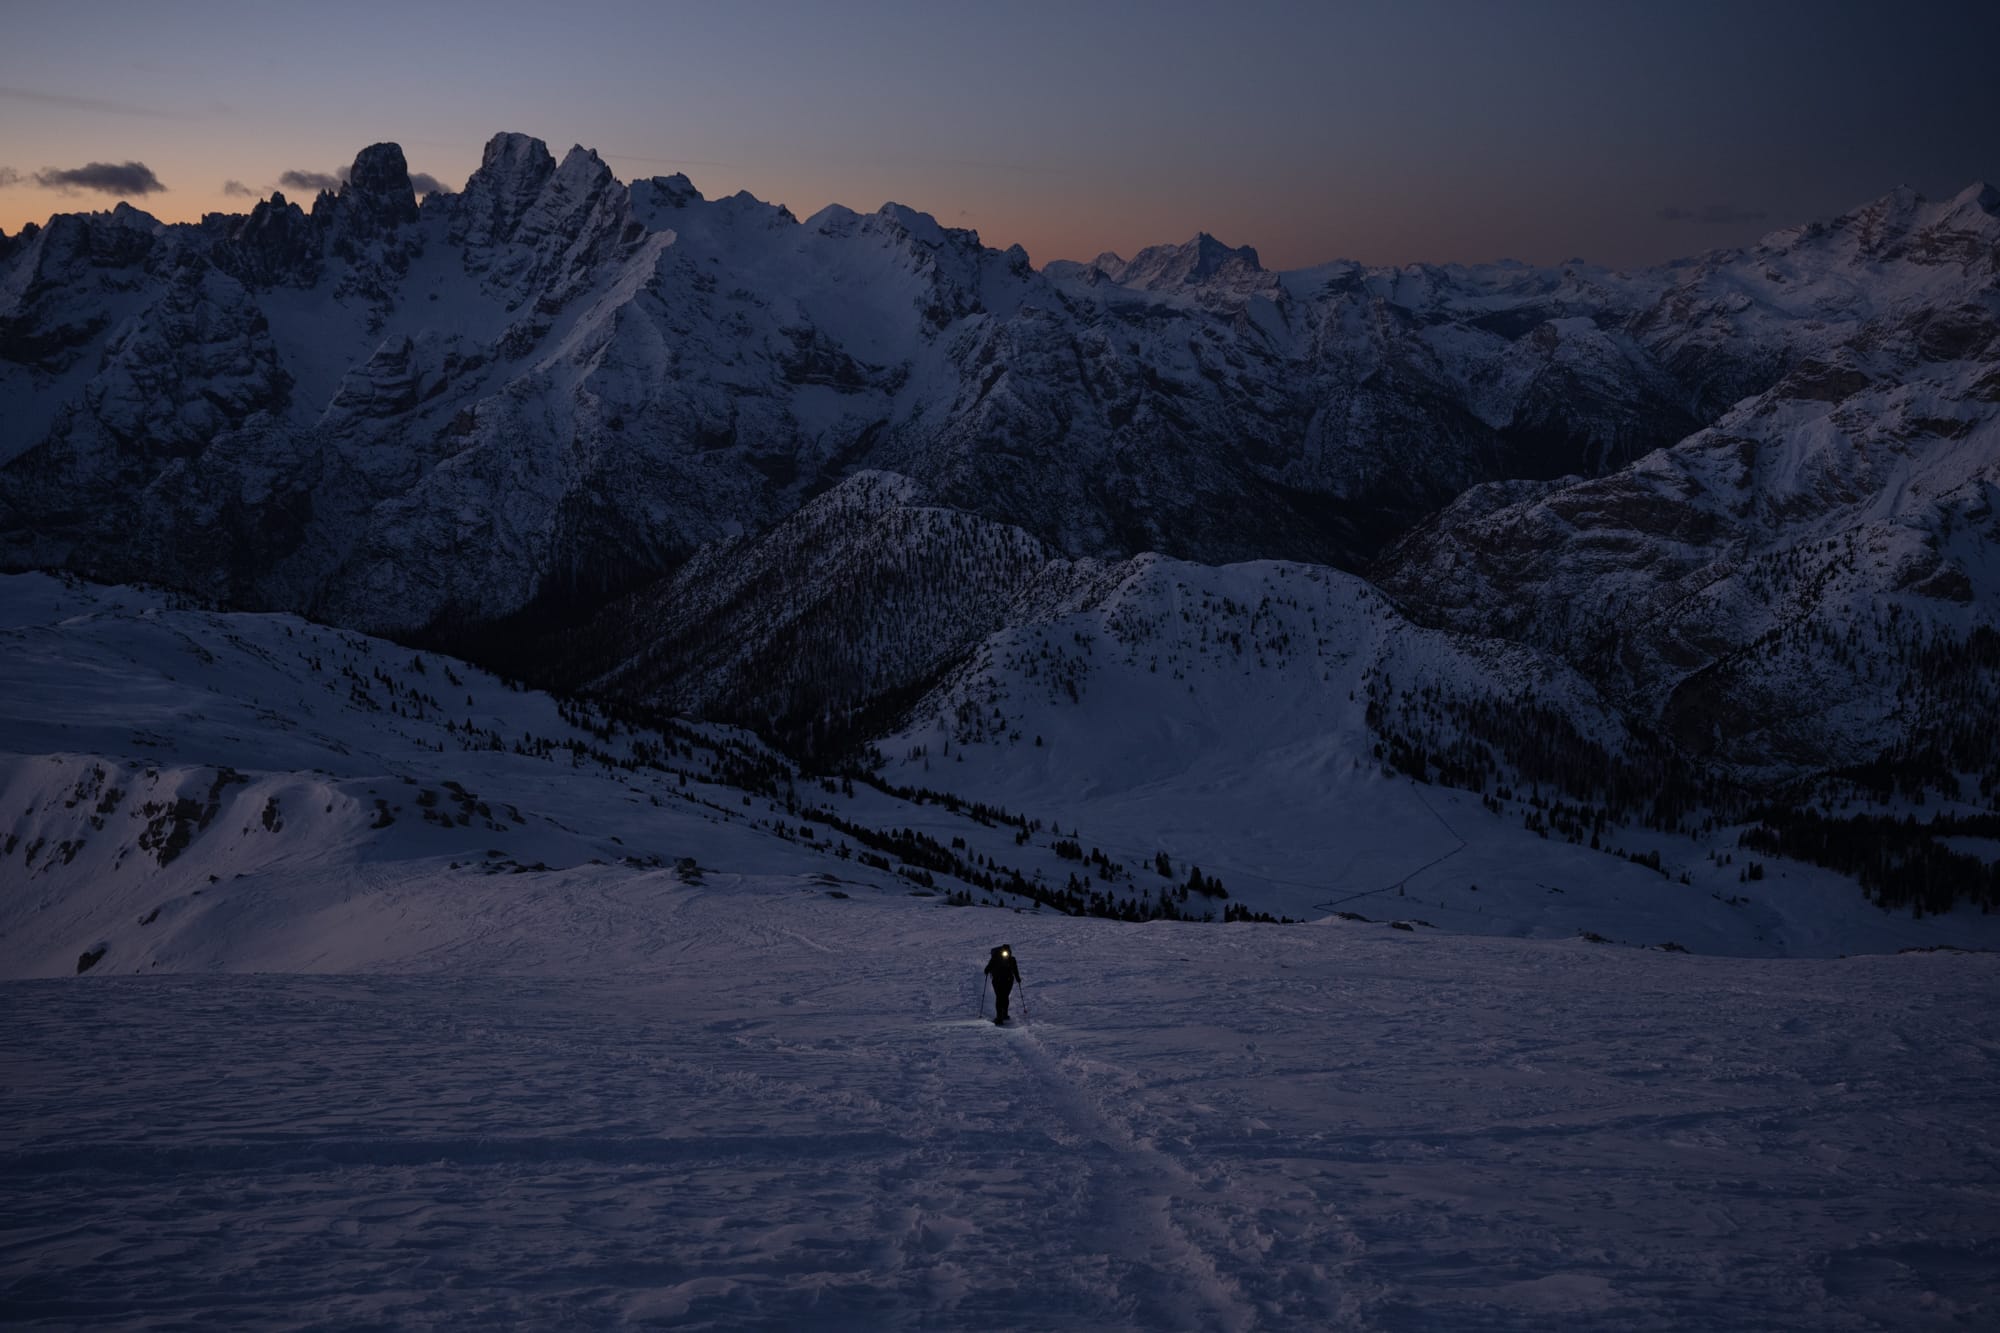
{"x":1458,"y":839}
{"x":1076,"y":1172}
{"x":1141,"y":1201}
{"x":1227,"y":1128}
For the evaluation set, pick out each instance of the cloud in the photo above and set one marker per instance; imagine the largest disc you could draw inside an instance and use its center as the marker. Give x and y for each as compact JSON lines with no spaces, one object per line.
{"x":238,"y":190}
{"x":105,"y":177}
{"x":314,"y":181}
{"x":1713,"y":214}
{"x":9,"y":176}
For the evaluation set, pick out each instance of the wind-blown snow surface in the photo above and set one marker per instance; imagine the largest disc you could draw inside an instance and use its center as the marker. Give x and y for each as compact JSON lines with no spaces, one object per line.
{"x":793,"y":1116}
{"x":540,"y":1051}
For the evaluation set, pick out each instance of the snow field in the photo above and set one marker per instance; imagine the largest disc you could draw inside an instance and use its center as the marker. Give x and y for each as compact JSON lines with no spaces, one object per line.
{"x":794,"y":1116}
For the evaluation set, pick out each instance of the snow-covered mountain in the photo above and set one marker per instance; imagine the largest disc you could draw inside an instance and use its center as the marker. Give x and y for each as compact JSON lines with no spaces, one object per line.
{"x":1813,"y":579}
{"x":554,"y":385}
{"x":818,"y":630}
{"x":186,"y":790}
{"x":814,"y":477}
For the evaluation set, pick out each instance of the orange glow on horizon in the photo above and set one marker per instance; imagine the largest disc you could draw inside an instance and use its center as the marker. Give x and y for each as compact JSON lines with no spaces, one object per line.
{"x":1063,"y":222}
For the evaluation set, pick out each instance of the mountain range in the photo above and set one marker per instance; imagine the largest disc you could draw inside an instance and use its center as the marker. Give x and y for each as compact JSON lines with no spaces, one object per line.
{"x":813,"y":475}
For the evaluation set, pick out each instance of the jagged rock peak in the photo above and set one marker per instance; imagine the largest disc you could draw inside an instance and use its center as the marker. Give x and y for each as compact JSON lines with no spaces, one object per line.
{"x":1904,"y":225}
{"x":263,"y":212}
{"x":124,"y":215}
{"x":378,"y":187}
{"x":746,"y":207}
{"x":922,"y":227}
{"x":1211,"y":254}
{"x":581,"y":161}
{"x":512,"y":172}
{"x":676,"y":191}
{"x":380,"y":172}
{"x":274,"y":244}
{"x":1163,"y":266}
{"x":1898,"y":208}
{"x":1977,"y":195}
{"x":508,"y":155}
{"x":579,"y":184}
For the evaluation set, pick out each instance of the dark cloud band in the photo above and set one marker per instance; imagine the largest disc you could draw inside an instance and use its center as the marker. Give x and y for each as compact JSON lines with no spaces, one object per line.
{"x":105,"y":177}
{"x":313,"y":181}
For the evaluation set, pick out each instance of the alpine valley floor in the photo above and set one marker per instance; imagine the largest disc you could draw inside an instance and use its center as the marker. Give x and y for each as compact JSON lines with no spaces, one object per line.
{"x":798,"y":1118}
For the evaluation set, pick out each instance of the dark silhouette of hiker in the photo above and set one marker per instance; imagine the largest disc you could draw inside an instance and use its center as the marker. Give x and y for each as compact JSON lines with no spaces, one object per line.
{"x":1005,"y":972}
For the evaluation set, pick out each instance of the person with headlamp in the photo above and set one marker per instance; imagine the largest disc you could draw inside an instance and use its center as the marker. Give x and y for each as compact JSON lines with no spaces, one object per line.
{"x":1005,"y":973}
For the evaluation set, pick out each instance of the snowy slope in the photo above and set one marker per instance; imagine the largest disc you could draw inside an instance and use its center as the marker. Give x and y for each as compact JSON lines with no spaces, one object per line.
{"x":188,"y":791}
{"x":868,"y":591}
{"x":183,"y":790}
{"x":392,"y":1026}
{"x":780,"y":1111}
{"x":1226,"y":718}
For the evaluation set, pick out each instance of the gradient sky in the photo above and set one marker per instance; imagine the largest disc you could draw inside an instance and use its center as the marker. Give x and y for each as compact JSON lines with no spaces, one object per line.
{"x":1421,"y":130}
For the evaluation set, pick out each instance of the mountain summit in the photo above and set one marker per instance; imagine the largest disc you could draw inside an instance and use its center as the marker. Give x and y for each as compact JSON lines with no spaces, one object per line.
{"x":1167,"y":266}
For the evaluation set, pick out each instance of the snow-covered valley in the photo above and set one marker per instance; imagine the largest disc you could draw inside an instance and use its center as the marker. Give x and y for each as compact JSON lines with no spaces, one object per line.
{"x":422,"y":1000}
{"x":187,"y":790}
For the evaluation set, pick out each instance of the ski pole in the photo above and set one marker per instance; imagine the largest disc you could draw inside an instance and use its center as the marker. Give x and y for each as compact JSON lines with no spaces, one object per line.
{"x":982,"y":995}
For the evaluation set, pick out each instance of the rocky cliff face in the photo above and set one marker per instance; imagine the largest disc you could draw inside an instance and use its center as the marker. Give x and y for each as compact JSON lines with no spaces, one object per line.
{"x":1807,"y":579}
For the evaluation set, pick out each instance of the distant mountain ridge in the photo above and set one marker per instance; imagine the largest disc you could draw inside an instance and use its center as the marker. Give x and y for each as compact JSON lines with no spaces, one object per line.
{"x":697,"y":437}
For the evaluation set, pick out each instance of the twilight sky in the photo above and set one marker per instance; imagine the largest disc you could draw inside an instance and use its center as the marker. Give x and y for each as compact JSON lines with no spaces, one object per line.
{"x":1439,"y":130}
